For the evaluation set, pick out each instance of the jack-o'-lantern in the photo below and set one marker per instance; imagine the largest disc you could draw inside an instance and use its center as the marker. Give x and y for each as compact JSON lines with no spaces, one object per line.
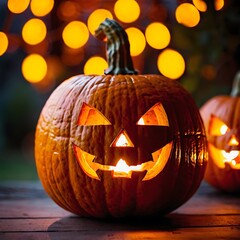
{"x":120,"y":144}
{"x":221,"y":116}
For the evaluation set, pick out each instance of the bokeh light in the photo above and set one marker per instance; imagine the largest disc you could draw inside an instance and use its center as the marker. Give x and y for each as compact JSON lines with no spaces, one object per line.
{"x":41,"y":8}
{"x":18,"y":6}
{"x":75,"y":34}
{"x":34,"y":31}
{"x":187,"y":14}
{"x":97,"y":17}
{"x":219,"y":4}
{"x":127,"y":10}
{"x":34,"y":68}
{"x":157,"y":35}
{"x":95,"y":65}
{"x":137,"y":41}
{"x":4,"y":43}
{"x":171,"y":63}
{"x":200,"y":5}
{"x":68,"y":10}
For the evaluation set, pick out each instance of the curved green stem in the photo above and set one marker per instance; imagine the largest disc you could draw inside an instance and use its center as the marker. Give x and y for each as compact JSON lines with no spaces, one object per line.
{"x":118,"y":47}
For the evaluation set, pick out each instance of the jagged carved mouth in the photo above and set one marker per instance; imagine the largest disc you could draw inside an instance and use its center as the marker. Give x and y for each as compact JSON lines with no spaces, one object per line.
{"x":152,"y":168}
{"x":222,"y":157}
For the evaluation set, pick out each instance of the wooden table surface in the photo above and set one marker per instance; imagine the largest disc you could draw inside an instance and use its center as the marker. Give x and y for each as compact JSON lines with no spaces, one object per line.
{"x":26,"y":212}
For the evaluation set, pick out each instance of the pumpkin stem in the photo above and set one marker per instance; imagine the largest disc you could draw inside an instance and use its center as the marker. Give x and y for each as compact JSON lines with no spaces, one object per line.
{"x":236,"y":86}
{"x":118,"y":47}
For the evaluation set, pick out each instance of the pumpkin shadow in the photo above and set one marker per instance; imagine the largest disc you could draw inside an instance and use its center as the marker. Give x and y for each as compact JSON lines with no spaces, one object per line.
{"x":75,"y":227}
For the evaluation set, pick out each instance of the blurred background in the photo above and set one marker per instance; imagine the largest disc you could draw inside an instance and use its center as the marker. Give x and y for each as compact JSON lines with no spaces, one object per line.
{"x":42,"y":43}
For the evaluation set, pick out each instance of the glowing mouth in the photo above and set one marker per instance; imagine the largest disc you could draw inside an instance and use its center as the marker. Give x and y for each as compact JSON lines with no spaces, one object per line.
{"x":153,"y":168}
{"x":221,"y":157}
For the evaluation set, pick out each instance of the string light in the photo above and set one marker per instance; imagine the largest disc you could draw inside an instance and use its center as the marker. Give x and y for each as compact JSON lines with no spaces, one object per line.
{"x":157,"y":35}
{"x":75,"y":34}
{"x":95,"y":65}
{"x":137,"y":41}
{"x":200,"y":5}
{"x":127,"y":10}
{"x":171,"y":63}
{"x":218,"y":4}
{"x":4,"y":43}
{"x":42,"y":7}
{"x":96,"y":17}
{"x":18,"y":6}
{"x":187,"y":14}
{"x":34,"y":68}
{"x":34,"y":31}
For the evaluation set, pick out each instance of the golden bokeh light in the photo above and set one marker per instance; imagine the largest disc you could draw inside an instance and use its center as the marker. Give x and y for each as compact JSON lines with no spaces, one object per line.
{"x":95,"y":65}
{"x":75,"y":34}
{"x":4,"y":43}
{"x":157,"y":35}
{"x":34,"y":68}
{"x":187,"y":15}
{"x":97,"y":17}
{"x":171,"y":63}
{"x":200,"y":5}
{"x":41,"y":8}
{"x":219,"y":4}
{"x":34,"y":31}
{"x":137,"y":41}
{"x":18,"y":6}
{"x":127,"y":10}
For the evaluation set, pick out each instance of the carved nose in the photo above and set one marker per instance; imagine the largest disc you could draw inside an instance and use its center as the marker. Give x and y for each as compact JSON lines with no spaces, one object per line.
{"x":233,"y":141}
{"x":122,"y":140}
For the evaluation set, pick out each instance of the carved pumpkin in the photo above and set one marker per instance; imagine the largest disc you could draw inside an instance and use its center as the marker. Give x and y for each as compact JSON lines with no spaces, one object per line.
{"x":221,"y":116}
{"x":120,"y":144}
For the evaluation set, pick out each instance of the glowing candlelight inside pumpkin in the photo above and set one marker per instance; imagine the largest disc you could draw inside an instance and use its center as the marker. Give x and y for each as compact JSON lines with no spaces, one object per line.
{"x":123,"y":170}
{"x":223,"y":129}
{"x":141,"y":121}
{"x":233,"y":141}
{"x":122,"y":166}
{"x":229,"y":156}
{"x":122,"y":141}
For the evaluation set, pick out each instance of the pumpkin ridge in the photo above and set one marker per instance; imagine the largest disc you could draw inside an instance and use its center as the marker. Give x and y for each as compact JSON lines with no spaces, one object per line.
{"x":60,"y":93}
{"x":95,"y":99}
{"x":74,"y":87}
{"x":65,"y":92}
{"x":236,"y":115}
{"x":51,"y":191}
{"x":88,"y":186}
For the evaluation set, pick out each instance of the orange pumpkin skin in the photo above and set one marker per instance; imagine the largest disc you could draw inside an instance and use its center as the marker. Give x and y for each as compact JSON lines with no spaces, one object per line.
{"x":122,"y":99}
{"x":220,"y":173}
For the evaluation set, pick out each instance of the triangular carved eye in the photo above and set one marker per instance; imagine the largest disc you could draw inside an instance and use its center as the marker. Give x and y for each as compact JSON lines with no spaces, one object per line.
{"x":217,"y":127}
{"x":155,"y":116}
{"x":90,"y":116}
{"x":122,"y":140}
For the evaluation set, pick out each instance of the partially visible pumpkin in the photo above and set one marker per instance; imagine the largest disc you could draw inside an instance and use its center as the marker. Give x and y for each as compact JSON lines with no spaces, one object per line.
{"x":221,"y":116}
{"x":120,"y":144}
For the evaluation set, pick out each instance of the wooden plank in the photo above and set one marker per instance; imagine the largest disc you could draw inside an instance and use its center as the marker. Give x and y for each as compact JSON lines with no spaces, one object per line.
{"x":31,"y":208}
{"x":28,"y":208}
{"x":176,"y":234}
{"x":37,"y":204}
{"x":26,"y":212}
{"x":80,"y":224}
